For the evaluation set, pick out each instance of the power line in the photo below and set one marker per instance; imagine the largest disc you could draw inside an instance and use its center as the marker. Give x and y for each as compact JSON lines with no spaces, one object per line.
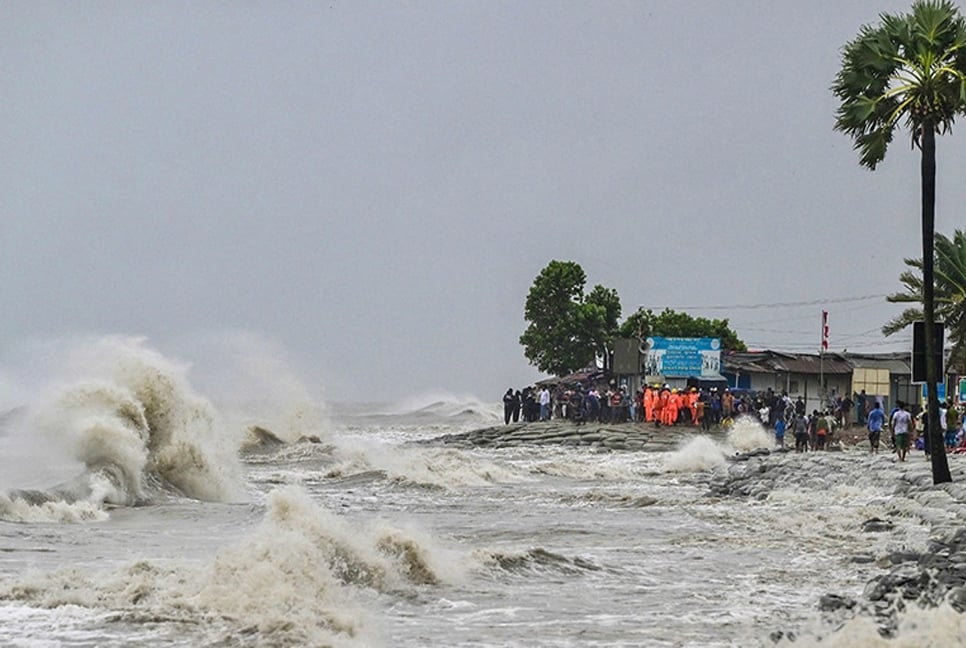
{"x":770,"y":330}
{"x":838,"y":337}
{"x":813,"y":302}
{"x":799,"y":317}
{"x":897,"y":341}
{"x":871,"y":331}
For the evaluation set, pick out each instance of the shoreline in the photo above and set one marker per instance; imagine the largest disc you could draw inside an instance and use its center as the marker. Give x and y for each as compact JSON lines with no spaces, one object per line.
{"x":628,"y":436}
{"x":930,"y":577}
{"x":610,"y":436}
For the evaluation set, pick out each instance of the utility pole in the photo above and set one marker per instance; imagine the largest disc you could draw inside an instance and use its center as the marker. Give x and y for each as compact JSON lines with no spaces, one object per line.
{"x":821,"y":362}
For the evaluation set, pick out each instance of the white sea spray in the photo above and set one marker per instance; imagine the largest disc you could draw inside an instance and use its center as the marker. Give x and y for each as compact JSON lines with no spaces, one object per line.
{"x":696,"y":455}
{"x":296,"y":578}
{"x":748,"y":434}
{"x":355,"y":555}
{"x":128,"y":417}
{"x":419,"y":465}
{"x":917,"y":627}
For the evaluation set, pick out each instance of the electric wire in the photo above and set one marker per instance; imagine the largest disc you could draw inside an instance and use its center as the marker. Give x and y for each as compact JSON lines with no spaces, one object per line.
{"x":769,"y":305}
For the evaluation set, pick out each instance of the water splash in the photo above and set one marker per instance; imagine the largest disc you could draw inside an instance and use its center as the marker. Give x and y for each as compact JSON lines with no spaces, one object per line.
{"x":697,"y":455}
{"x":748,"y":434}
{"x":297,"y":578}
{"x":128,"y":416}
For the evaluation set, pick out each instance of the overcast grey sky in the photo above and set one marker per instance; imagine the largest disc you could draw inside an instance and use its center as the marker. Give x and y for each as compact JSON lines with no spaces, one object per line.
{"x":370,"y":188}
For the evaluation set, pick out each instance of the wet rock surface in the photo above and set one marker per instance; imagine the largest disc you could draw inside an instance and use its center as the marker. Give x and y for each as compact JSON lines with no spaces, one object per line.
{"x":926,"y":578}
{"x":615,"y":436}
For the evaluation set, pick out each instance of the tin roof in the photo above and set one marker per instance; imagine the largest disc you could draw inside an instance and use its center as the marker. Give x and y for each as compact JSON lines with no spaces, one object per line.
{"x":777,"y":361}
{"x":898,"y":362}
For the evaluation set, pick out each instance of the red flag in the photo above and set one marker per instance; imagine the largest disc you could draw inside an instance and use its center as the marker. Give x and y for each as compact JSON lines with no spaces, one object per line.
{"x":824,"y":330}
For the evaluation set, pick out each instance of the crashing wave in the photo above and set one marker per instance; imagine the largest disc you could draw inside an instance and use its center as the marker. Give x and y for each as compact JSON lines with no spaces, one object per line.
{"x":299,"y":577}
{"x":441,"y":406}
{"x":538,"y":559}
{"x":138,"y":430}
{"x":702,"y":453}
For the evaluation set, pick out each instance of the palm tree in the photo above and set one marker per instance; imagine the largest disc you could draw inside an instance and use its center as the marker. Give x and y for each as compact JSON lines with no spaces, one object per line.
{"x":949,"y":295}
{"x":910,"y":68}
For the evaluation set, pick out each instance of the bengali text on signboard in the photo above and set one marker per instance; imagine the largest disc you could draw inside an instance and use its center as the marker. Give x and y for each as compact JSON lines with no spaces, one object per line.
{"x":682,"y":357}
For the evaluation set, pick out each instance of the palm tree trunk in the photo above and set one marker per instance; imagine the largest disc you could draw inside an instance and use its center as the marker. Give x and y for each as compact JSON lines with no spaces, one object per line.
{"x":940,"y":465}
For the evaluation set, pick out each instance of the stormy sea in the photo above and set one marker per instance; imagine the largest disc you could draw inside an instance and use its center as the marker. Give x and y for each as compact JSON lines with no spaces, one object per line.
{"x":140,"y":506}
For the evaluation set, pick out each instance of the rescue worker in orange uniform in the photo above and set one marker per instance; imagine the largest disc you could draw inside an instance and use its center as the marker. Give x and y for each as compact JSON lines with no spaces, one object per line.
{"x":648,"y":404}
{"x":660,"y":405}
{"x":671,"y":408}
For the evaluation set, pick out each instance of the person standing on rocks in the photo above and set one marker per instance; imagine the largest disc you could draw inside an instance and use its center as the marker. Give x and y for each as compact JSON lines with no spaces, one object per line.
{"x":764,"y":414}
{"x":813,"y":431}
{"x":507,"y":406}
{"x":578,"y":405}
{"x":800,"y":430}
{"x":727,"y":404}
{"x":670,"y":410}
{"x":531,"y":409}
{"x":558,"y":399}
{"x":592,"y":404}
{"x":876,"y":421}
{"x":627,"y":407}
{"x":789,"y":412}
{"x":952,"y":426}
{"x":920,"y":432}
{"x":821,"y":432}
{"x":615,"y":398}
{"x":660,"y":404}
{"x":715,"y":406}
{"x":780,"y":432}
{"x":517,"y":404}
{"x":544,"y":403}
{"x":901,"y":423}
{"x":847,"y":405}
{"x":648,"y":400}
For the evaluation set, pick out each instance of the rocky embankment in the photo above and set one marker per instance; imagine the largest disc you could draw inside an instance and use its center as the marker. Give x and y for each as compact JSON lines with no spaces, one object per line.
{"x":620,"y":436}
{"x":927,"y":577}
{"x":930,"y":577}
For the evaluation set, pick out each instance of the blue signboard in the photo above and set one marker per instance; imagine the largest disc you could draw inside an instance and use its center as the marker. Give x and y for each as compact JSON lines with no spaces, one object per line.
{"x":682,"y":357}
{"x":941,"y":392}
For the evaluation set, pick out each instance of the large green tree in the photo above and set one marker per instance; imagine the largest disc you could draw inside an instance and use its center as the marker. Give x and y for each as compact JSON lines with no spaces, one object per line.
{"x":909,"y":68}
{"x":568,"y":329}
{"x":669,"y":323}
{"x":949,"y":296}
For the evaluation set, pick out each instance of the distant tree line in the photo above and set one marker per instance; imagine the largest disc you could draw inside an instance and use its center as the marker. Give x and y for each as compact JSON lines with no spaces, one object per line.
{"x":567,"y":329}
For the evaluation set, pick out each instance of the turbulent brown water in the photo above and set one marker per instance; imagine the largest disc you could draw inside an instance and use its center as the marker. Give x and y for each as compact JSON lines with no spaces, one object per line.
{"x":134,"y":510}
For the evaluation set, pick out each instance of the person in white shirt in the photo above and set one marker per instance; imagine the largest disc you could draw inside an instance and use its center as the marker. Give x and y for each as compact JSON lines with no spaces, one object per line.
{"x":901,"y":423}
{"x":544,"y":404}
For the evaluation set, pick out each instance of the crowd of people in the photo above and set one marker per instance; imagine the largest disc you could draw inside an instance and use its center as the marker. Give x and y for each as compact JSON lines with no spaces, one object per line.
{"x":662,"y":405}
{"x":610,"y":405}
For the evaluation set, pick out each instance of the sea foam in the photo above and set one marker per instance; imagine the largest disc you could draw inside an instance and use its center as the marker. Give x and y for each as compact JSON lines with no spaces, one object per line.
{"x":748,"y":434}
{"x":297,"y":578}
{"x":129,"y":418}
{"x":702,"y":453}
{"x":699,"y":454}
